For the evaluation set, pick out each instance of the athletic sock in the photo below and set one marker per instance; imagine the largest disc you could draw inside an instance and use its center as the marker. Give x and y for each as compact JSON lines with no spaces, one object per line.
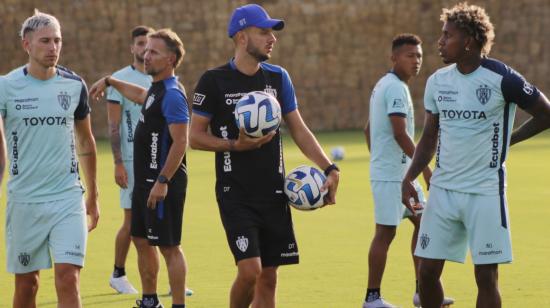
{"x":178,"y":306}
{"x":372,"y":295}
{"x":118,"y":272}
{"x":149,"y":300}
{"x":416,"y":290}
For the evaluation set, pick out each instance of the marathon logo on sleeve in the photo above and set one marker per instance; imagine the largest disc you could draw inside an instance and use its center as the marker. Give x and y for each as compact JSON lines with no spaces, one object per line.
{"x":198,"y":99}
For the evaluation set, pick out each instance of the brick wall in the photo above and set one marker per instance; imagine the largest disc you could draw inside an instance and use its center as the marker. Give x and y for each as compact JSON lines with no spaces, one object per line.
{"x":335,"y":50}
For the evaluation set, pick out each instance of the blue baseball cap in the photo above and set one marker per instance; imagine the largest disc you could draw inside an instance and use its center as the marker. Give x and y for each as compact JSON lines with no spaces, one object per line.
{"x":252,"y":15}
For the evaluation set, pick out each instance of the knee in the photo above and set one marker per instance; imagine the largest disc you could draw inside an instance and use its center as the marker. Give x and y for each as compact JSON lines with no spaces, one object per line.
{"x":67,"y":280}
{"x":385,"y":234}
{"x":27,"y":284}
{"x":268,"y":279}
{"x":486,"y":276}
{"x":249,"y":275}
{"x":427,"y":272}
{"x":171,"y":252}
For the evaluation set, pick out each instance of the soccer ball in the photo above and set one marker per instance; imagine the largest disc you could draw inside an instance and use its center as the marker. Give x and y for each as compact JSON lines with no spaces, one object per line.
{"x":337,"y":153}
{"x":303,"y":188}
{"x":258,"y":113}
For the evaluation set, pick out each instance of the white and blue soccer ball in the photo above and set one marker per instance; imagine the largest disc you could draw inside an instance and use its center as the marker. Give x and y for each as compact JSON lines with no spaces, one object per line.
{"x":259,"y":113}
{"x":303,"y":188}
{"x":337,"y":153}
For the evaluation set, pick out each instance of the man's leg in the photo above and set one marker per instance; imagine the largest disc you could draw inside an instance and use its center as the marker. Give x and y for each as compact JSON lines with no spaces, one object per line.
{"x":242,"y":291}
{"x":431,"y":290}
{"x":378,"y":254}
{"x":177,"y":270}
{"x":26,"y":287}
{"x":122,"y":240}
{"x":67,"y":285}
{"x":148,"y":263}
{"x":488,"y":295}
{"x":266,"y":287}
{"x":415,"y":220}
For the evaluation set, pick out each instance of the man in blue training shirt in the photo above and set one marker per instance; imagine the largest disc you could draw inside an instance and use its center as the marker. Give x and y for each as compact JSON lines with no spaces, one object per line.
{"x":44,"y":107}
{"x":160,"y":173}
{"x":470,"y":107}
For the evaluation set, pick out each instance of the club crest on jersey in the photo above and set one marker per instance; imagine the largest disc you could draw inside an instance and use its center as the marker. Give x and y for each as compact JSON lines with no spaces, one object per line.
{"x":64,"y":100}
{"x":24,"y":258}
{"x":483,"y":94}
{"x":242,"y":243}
{"x":269,"y":90}
{"x":424,"y":240}
{"x":149,"y":101}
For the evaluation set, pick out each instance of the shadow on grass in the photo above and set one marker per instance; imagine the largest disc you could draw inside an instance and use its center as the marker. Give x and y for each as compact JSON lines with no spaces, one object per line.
{"x":97,"y":299}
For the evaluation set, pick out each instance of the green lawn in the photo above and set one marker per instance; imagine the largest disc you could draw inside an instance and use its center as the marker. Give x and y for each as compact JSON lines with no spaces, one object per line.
{"x":333,"y":241}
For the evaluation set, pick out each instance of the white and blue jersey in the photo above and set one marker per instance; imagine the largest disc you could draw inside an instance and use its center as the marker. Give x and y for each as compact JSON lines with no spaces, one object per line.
{"x":390,"y":97}
{"x":130,"y":111}
{"x":39,"y":120}
{"x":476,"y":113}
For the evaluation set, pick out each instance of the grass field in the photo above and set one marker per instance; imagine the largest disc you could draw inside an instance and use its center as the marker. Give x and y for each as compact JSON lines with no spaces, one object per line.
{"x":333,"y":241}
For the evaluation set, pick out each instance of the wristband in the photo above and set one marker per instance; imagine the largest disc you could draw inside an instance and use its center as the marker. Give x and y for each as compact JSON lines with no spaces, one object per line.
{"x":329,"y":169}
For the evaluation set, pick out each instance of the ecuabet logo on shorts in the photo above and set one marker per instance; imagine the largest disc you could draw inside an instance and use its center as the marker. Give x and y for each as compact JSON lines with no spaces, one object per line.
{"x":242,"y":243}
{"x":24,"y":258}
{"x":64,"y":100}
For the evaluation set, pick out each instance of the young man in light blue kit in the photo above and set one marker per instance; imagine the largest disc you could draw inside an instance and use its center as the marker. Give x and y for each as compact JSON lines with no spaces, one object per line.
{"x":123,"y":115}
{"x":44,"y":107}
{"x":390,"y":138}
{"x":470,"y":107}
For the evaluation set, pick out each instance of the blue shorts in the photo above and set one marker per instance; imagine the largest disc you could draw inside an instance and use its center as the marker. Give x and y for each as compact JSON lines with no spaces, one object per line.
{"x":36,"y":232}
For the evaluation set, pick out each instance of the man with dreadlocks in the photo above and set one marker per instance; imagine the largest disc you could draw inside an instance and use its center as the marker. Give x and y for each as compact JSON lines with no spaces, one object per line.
{"x":470,"y":107}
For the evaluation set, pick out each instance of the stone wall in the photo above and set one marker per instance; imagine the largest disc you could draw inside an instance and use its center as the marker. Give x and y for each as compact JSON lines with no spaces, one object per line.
{"x":335,"y":50}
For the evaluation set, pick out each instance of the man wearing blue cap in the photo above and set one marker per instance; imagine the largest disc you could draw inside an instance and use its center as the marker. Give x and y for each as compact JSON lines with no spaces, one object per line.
{"x":250,"y":171}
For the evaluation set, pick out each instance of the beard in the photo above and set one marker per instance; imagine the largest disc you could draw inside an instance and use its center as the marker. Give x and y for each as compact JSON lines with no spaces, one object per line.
{"x":256,"y":53}
{"x":139,"y":58}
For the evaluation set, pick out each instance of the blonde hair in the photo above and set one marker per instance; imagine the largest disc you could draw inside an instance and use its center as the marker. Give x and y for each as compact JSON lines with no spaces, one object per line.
{"x":37,"y":21}
{"x":172,"y":41}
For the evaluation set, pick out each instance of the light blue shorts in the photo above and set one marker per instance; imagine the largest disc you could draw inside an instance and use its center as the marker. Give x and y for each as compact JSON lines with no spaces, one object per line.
{"x":126,"y":193}
{"x":36,"y":232}
{"x":388,"y":208}
{"x":452,"y":221}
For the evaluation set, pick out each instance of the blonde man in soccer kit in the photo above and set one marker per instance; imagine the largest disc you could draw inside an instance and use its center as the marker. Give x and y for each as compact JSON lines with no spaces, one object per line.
{"x":470,"y":107}
{"x":47,"y":123}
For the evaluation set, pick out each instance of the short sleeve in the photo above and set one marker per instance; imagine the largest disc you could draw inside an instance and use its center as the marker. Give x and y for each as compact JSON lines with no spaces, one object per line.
{"x":204,"y":99}
{"x":113,"y":96}
{"x":429,"y":101}
{"x":83,"y":108}
{"x":174,"y":107}
{"x":396,"y":100}
{"x":288,"y":95}
{"x":516,"y":89}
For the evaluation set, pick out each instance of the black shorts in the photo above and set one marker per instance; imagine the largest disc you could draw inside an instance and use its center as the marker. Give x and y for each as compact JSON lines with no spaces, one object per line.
{"x":259,"y":230}
{"x":161,"y":226}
